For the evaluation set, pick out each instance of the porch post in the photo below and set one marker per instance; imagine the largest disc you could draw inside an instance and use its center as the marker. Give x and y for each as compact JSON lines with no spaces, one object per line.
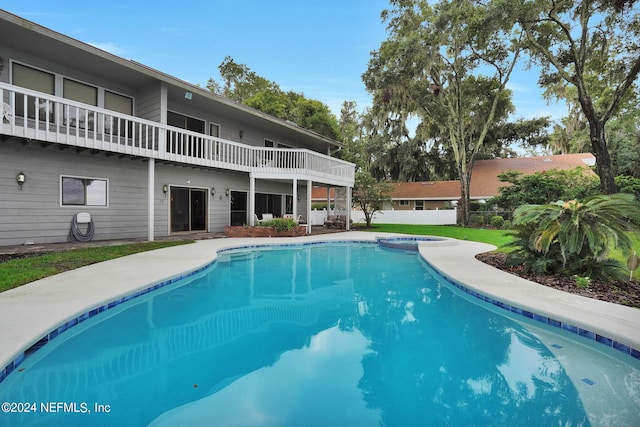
{"x":309,"y":191}
{"x":328,"y":200}
{"x":252,"y":200}
{"x":150,"y":198}
{"x":295,"y":198}
{"x":348,"y":209}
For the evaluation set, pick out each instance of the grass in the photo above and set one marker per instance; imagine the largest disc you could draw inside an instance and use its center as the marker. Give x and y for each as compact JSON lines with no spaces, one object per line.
{"x":17,"y":272}
{"x":494,"y":237}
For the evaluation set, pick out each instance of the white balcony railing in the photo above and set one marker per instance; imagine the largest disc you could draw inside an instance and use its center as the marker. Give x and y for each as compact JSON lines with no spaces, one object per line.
{"x":33,"y":115}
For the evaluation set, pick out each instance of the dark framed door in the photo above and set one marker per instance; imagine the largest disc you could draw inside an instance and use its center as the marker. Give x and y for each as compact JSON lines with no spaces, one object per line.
{"x":238,"y":208}
{"x":188,"y":209}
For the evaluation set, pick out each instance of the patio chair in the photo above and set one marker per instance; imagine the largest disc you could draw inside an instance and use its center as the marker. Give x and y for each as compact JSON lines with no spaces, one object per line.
{"x":267,"y":217}
{"x":329,"y":221}
{"x":340,"y":222}
{"x":256,"y":220}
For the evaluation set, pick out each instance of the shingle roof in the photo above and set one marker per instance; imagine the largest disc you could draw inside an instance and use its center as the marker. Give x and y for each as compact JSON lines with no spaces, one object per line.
{"x":484,"y":179}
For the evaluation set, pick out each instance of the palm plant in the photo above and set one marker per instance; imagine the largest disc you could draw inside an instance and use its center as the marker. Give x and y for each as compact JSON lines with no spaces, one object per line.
{"x":575,"y":237}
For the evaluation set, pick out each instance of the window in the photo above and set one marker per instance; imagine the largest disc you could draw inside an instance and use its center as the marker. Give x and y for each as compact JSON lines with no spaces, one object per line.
{"x":419,"y":205}
{"x":272,"y":144}
{"x":33,"y":79}
{"x":404,"y":203}
{"x":78,"y":191}
{"x":76,"y":91}
{"x":214,"y":130}
{"x":177,"y":142}
{"x":121,"y":104}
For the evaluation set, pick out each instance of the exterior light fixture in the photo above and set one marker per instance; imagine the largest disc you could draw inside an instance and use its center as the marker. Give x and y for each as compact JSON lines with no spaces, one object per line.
{"x":188,"y":95}
{"x":226,"y":192}
{"x":165,"y":189}
{"x":241,"y":133}
{"x":21,"y":178}
{"x":213,"y":191}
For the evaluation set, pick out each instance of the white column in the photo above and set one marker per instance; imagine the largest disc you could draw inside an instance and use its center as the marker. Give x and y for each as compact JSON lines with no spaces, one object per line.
{"x":151,"y":183}
{"x":252,"y":200}
{"x":309,"y":190}
{"x":328,"y":200}
{"x":295,"y":199}
{"x":348,"y":197}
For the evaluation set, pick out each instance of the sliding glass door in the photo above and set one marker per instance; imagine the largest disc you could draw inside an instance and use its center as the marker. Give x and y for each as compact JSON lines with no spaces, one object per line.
{"x":188,"y":209}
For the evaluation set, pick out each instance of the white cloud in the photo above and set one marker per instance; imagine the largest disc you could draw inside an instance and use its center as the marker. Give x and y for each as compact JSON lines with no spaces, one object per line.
{"x":109,"y":47}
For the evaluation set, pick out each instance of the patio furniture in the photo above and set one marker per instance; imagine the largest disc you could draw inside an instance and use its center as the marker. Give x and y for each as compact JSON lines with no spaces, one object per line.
{"x":340,"y":222}
{"x":267,"y":217}
{"x":329,"y":221}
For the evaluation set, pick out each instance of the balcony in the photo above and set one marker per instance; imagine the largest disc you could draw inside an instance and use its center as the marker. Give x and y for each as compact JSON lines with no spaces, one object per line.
{"x":33,"y":115}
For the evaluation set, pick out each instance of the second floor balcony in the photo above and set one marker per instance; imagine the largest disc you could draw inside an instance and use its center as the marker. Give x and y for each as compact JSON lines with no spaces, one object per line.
{"x":34,"y":115}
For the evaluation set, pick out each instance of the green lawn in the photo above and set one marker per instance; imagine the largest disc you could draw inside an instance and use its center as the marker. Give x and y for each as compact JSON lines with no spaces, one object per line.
{"x":494,"y":237}
{"x":17,"y":272}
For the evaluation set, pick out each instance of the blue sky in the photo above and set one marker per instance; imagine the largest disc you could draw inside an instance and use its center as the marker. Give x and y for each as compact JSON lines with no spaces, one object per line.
{"x":319,"y":48}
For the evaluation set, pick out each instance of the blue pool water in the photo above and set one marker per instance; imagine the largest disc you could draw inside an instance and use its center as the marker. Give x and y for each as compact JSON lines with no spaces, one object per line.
{"x":320,"y":335}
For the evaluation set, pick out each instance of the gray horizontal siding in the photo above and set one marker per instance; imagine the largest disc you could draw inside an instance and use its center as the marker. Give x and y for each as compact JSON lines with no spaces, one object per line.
{"x":34,"y":213}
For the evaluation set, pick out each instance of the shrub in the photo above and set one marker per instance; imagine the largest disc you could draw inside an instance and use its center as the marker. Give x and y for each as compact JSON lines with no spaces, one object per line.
{"x":280,"y":224}
{"x":575,"y":238}
{"x":477,"y":220}
{"x":497,"y":221}
{"x":582,"y":282}
{"x":506,"y":225}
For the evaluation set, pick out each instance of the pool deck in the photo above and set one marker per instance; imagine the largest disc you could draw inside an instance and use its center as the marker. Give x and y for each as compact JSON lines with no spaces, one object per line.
{"x":32,"y":311}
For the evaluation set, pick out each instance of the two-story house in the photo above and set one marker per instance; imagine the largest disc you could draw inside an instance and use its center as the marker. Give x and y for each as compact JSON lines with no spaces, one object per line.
{"x":143,"y":153}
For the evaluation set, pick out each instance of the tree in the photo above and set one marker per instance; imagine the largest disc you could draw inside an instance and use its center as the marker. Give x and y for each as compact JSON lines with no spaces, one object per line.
{"x":239,"y":81}
{"x":591,"y":45}
{"x":242,"y":84}
{"x":544,"y":187}
{"x":575,"y":237}
{"x":369,"y":194}
{"x":430,"y":67}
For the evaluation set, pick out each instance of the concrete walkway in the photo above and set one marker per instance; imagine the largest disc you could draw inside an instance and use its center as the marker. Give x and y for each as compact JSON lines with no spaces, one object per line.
{"x":30,"y":312}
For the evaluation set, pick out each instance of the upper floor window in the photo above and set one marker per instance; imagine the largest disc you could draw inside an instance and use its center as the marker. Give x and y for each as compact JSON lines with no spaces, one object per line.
{"x":214,"y":130}
{"x":38,"y":80}
{"x":80,"y":92}
{"x":185,"y":122}
{"x":79,"y":191}
{"x":116,"y":102}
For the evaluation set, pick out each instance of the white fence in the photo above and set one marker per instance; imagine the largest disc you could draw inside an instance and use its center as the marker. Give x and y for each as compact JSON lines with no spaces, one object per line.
{"x":426,"y":217}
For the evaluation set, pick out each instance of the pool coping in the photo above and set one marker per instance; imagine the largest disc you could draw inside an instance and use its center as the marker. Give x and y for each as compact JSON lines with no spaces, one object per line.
{"x":33,"y":313}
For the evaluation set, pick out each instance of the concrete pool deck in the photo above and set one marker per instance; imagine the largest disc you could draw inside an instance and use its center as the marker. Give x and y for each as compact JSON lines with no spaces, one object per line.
{"x":30,"y":312}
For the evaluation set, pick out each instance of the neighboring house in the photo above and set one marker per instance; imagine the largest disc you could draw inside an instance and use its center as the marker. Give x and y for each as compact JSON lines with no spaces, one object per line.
{"x":484,"y":181}
{"x":144,"y":153}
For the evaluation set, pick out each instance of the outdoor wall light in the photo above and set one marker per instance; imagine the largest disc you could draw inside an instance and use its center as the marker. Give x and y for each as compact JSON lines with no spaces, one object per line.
{"x":21,"y":179}
{"x":241,"y":133}
{"x":165,"y":189}
{"x":226,"y":192}
{"x":213,"y":191}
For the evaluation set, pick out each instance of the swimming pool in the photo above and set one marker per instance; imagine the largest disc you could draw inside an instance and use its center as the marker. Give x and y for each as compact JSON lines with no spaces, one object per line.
{"x":325,"y":334}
